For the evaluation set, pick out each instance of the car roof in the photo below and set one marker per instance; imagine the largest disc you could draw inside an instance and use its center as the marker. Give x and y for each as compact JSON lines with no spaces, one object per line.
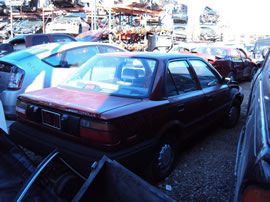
{"x":45,"y":50}
{"x":151,"y":55}
{"x":23,"y":36}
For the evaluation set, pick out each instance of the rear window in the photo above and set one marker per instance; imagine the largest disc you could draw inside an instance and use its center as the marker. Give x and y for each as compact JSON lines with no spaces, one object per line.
{"x":120,"y":76}
{"x":36,"y":40}
{"x":72,"y":58}
{"x":62,"y":39}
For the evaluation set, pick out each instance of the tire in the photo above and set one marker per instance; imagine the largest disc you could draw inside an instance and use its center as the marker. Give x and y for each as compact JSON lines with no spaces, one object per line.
{"x":231,"y":117}
{"x":164,"y":159}
{"x":67,"y":185}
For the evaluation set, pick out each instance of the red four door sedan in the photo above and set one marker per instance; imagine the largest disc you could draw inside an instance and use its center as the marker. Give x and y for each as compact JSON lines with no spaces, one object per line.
{"x":229,"y":61}
{"x":136,"y":108}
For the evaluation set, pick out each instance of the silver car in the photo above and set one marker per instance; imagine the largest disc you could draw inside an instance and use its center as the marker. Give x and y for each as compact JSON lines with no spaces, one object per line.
{"x":42,"y":66}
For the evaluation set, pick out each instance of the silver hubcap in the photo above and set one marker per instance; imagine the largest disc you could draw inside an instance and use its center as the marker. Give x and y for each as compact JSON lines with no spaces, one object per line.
{"x":164,"y":156}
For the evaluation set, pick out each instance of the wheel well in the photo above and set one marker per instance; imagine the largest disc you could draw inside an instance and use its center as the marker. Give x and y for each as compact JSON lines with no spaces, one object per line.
{"x":174,"y":130}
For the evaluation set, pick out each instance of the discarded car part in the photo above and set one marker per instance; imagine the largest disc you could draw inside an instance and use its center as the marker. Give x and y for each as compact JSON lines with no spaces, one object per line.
{"x":21,"y":180}
{"x":110,"y":181}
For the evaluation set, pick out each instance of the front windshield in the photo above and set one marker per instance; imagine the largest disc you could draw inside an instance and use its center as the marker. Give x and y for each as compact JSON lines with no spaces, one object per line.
{"x":222,"y":52}
{"x":120,"y":76}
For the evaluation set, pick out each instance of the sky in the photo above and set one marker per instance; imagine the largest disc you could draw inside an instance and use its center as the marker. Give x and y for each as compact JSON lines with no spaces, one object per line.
{"x":248,"y":16}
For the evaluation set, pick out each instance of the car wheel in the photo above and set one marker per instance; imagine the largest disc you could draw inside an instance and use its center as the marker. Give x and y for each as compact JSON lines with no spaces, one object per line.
{"x":232,"y":117}
{"x":67,"y":185}
{"x":252,"y":73}
{"x":164,"y":158}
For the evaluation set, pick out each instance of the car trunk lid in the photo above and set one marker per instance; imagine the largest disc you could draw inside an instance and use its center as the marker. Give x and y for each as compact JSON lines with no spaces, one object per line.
{"x":75,"y":101}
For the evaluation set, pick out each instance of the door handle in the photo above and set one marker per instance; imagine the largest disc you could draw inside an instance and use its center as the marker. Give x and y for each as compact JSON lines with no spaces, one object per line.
{"x":180,"y":108}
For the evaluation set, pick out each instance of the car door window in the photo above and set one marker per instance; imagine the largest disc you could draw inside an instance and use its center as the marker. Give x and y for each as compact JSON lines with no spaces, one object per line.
{"x":179,"y":79}
{"x":235,"y":54}
{"x":71,"y":58}
{"x":206,"y":77}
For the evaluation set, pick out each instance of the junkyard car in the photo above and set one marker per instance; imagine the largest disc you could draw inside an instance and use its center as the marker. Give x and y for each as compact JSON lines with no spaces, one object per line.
{"x":229,"y":61}
{"x":133,"y":107}
{"x":24,"y":41}
{"x":252,"y":166}
{"x":179,"y":33}
{"x":42,"y":66}
{"x":209,"y":16}
{"x":67,"y":24}
{"x":29,"y":26}
{"x":208,"y":34}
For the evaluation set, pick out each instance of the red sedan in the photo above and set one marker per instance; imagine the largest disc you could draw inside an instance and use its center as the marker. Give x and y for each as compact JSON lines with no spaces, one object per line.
{"x":229,"y":61}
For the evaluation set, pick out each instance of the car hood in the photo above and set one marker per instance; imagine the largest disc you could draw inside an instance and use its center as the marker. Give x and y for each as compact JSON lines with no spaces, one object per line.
{"x":80,"y":102}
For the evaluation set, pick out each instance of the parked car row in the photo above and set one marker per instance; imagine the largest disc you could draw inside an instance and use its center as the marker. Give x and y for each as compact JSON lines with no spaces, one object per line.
{"x":65,"y":24}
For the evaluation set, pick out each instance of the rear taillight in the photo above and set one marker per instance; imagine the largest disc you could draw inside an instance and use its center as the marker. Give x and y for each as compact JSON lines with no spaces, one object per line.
{"x":15,"y":78}
{"x":99,"y":131}
{"x":257,"y":194}
{"x":21,"y":108}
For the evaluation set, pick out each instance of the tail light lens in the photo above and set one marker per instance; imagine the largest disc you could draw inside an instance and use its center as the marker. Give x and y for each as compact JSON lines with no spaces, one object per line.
{"x":15,"y":78}
{"x":99,"y":131}
{"x":21,"y":108}
{"x":256,"y":194}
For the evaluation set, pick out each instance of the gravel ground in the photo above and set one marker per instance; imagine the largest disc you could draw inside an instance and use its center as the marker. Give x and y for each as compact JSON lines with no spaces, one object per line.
{"x":205,"y":170}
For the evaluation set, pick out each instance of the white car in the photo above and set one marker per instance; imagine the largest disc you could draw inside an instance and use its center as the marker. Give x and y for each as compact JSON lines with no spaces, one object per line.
{"x":67,"y":24}
{"x":43,"y":66}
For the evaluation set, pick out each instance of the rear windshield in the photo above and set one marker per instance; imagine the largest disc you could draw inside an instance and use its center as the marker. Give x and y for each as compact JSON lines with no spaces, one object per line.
{"x":120,"y":76}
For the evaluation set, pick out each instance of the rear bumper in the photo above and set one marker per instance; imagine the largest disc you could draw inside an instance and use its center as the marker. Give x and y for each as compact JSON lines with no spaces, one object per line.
{"x":80,"y":156}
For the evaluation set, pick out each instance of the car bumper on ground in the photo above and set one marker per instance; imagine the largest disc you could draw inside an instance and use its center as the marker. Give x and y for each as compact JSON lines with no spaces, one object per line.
{"x":80,"y":156}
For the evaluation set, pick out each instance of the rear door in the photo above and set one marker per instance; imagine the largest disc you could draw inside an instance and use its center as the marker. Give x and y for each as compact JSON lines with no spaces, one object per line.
{"x":246,"y":63}
{"x":186,"y":99}
{"x":216,"y":93}
{"x":238,"y":64}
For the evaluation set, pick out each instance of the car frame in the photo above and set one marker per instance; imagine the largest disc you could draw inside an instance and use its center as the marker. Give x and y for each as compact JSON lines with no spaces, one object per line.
{"x":133,"y":113}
